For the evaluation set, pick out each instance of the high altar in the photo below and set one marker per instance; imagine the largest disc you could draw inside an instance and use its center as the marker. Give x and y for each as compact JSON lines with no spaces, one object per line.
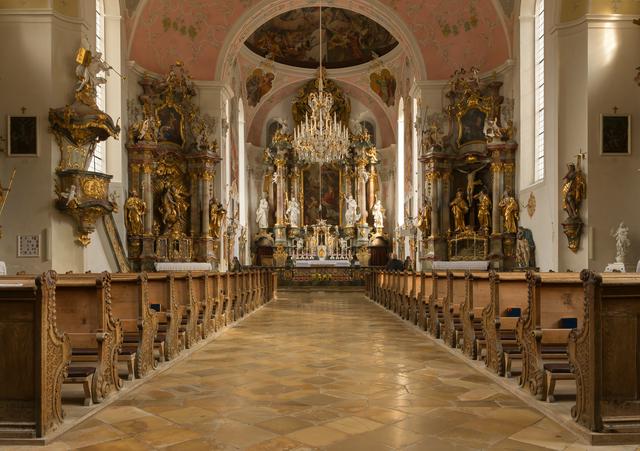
{"x":328,"y":213}
{"x":469,"y":211}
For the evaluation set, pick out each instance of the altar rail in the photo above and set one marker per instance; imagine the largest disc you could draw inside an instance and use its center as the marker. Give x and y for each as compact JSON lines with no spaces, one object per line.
{"x":90,"y":329}
{"x":321,"y":276}
{"x":557,"y":326}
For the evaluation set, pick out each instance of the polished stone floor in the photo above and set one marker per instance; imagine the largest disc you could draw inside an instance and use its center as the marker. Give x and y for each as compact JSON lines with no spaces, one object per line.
{"x":319,"y":370}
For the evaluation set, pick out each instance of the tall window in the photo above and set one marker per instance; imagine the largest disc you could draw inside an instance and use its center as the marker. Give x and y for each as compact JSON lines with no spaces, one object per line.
{"x":539,"y":92}
{"x":97,"y":162}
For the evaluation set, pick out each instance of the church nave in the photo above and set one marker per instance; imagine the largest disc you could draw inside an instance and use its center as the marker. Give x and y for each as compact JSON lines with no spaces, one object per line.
{"x":319,"y":370}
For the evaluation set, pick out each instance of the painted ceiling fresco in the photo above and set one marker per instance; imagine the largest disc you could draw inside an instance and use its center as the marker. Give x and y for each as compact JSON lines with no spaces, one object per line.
{"x":450,"y":33}
{"x":349,"y":38}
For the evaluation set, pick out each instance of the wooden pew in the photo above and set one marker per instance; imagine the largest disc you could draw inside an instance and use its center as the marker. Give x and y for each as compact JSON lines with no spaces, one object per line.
{"x":85,"y":313}
{"x":414,"y":297}
{"x":130,"y":303}
{"x":451,"y":308}
{"x":34,"y":358}
{"x":182,"y":284}
{"x":405,"y":294}
{"x":508,"y":293}
{"x":439,"y":292}
{"x":219,"y":315}
{"x":551,"y":297}
{"x":477,"y":297}
{"x":169,"y":312}
{"x":604,"y":354}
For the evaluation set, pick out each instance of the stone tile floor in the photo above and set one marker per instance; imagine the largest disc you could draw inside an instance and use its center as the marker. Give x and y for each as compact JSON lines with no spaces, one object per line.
{"x":319,"y":370}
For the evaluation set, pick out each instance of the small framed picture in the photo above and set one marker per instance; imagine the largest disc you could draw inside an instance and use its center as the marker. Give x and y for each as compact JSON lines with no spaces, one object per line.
{"x":28,"y":245}
{"x":615,"y":134}
{"x":23,"y":136}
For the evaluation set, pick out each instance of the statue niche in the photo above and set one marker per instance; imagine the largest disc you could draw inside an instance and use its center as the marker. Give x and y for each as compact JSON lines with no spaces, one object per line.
{"x":172,"y":159}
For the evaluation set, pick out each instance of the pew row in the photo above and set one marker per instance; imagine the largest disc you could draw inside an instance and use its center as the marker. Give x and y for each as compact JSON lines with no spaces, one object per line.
{"x":84,"y":328}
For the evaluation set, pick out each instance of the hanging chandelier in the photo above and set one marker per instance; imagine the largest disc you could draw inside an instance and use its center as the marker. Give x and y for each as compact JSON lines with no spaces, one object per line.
{"x":321,"y":138}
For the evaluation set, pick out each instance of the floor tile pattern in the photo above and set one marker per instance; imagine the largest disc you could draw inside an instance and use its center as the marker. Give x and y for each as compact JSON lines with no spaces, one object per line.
{"x":320,"y":370}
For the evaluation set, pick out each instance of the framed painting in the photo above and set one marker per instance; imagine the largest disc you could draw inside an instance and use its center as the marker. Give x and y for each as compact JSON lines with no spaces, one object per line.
{"x":471,"y":126}
{"x":615,"y":134}
{"x":22,"y":134}
{"x":171,"y":125}
{"x":321,"y":197}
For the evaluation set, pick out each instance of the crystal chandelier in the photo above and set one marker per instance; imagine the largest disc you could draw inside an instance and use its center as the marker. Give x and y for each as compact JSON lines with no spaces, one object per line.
{"x":321,"y":138}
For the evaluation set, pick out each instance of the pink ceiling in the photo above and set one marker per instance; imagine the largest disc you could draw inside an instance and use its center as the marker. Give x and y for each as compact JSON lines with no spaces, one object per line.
{"x":450,"y":33}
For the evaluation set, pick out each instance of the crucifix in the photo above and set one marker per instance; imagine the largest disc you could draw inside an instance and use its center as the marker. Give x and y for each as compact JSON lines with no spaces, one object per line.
{"x":615,"y":110}
{"x":581,"y":156}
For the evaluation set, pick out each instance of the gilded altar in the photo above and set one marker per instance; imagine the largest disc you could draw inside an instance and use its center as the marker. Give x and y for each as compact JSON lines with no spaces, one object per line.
{"x":171,"y":213}
{"x":470,"y":211}
{"x":320,"y":211}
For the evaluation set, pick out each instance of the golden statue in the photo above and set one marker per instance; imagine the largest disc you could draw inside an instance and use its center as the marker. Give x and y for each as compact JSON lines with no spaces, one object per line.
{"x":510,"y":212}
{"x":424,"y":219}
{"x":574,"y":189}
{"x":216,"y":218}
{"x":484,"y":210}
{"x":135,"y":208}
{"x":173,"y":209}
{"x":459,"y":208}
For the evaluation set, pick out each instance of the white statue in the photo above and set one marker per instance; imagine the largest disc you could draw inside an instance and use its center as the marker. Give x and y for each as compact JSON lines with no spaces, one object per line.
{"x":70,"y":195}
{"x":378,"y":215}
{"x":622,"y":242}
{"x":293,"y":213}
{"x":491,"y":129}
{"x":351,"y":215}
{"x":262,"y":214}
{"x":88,"y":73}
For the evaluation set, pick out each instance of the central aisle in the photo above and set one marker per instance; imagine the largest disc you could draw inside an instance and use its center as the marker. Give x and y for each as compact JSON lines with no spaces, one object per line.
{"x":319,"y":370}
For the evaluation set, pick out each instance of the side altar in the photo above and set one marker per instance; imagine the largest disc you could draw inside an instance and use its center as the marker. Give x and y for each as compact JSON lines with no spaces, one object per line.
{"x":171,"y":212}
{"x":470,"y":212}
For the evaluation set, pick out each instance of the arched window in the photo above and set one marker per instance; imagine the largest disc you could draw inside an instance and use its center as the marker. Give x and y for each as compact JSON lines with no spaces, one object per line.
{"x":97,"y":163}
{"x":539,"y":92}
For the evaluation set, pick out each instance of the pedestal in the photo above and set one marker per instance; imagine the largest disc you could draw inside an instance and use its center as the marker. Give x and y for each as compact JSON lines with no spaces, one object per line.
{"x":280,"y":233}
{"x":363,"y":235}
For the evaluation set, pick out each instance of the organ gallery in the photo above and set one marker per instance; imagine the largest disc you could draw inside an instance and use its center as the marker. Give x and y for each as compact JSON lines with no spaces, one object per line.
{"x":363,"y":224}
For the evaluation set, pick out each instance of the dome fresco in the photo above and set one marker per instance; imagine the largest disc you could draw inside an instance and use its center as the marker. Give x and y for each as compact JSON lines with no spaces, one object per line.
{"x":349,"y":38}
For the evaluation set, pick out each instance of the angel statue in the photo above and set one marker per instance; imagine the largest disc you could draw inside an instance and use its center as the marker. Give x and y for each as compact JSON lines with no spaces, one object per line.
{"x":622,"y":242}
{"x":262,"y":214}
{"x":293,"y":213}
{"x":351,"y":215}
{"x":87,"y":73}
{"x":574,"y":189}
{"x":378,"y":215}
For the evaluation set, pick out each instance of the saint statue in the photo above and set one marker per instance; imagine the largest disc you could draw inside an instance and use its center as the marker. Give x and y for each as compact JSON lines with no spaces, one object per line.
{"x":378,"y":215}
{"x":510,"y":212}
{"x":135,"y":208}
{"x":622,"y":242}
{"x":293,"y":213}
{"x":459,"y":208}
{"x":216,"y":218}
{"x":351,"y":215}
{"x":424,"y":219}
{"x":573,"y":191}
{"x":262,"y":214}
{"x":523,"y":250}
{"x":173,"y":208}
{"x":484,"y":210}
